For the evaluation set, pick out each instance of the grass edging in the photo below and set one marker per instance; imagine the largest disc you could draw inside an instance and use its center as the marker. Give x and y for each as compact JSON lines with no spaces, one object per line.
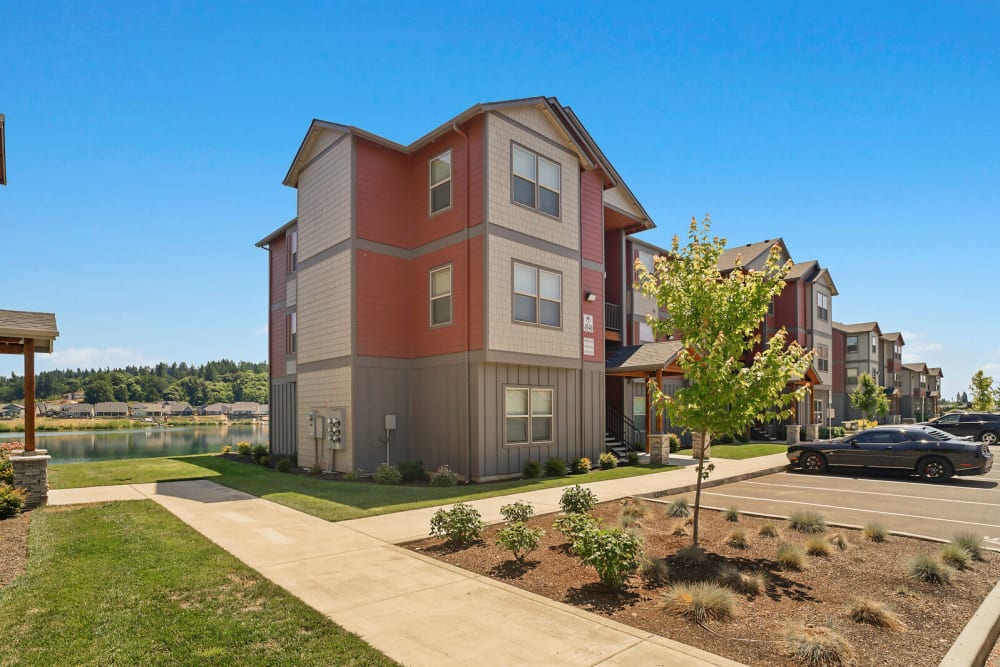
{"x":709,"y":483}
{"x":980,"y":634}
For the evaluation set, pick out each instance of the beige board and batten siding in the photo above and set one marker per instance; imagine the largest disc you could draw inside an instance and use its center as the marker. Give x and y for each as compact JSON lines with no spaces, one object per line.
{"x":322,"y":390}
{"x":325,"y":199}
{"x":324,"y":309}
{"x":577,"y":429}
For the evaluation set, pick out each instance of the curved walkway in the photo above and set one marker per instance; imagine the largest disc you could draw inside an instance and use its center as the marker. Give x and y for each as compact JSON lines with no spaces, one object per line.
{"x":417,"y":610}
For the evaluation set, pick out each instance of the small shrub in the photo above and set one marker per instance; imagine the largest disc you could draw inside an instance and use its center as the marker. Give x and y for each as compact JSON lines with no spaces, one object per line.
{"x":679,"y":508}
{"x":531,"y":469}
{"x":747,"y":584}
{"x":970,"y":542}
{"x":244,"y":448}
{"x":613,"y":553}
{"x":633,"y":512}
{"x":573,"y":526}
{"x":874,"y":613}
{"x":350,"y":476}
{"x":316,"y":470}
{"x":226,"y":449}
{"x":955,"y":555}
{"x":387,"y":474}
{"x":656,"y":570}
{"x":724,"y":439}
{"x":519,"y":539}
{"x":838,"y":541}
{"x":807,"y":521}
{"x":580,"y":466}
{"x":284,"y":465}
{"x":819,"y":647}
{"x":679,"y":530}
{"x":607,"y":461}
{"x":633,"y":458}
{"x":700,"y":602}
{"x":258,"y":452}
{"x":768,"y":530}
{"x":264,"y":461}
{"x":11,"y":500}
{"x":926,"y":569}
{"x":790,"y":557}
{"x":412,"y":472}
{"x":691,"y":555}
{"x":577,"y":500}
{"x":444,"y":476}
{"x":737,"y":539}
{"x":555,"y":467}
{"x":731,"y":514}
{"x":674,"y":442}
{"x":875,"y":532}
{"x":817,"y":546}
{"x":461,"y":524}
{"x":517,"y":512}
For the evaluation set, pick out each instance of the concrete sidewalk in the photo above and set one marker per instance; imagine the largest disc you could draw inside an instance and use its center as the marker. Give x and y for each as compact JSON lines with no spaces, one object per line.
{"x":417,"y":610}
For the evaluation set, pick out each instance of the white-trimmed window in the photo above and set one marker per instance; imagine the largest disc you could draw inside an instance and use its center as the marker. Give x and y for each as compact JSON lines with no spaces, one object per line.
{"x":852,"y":374}
{"x":537,"y":296}
{"x":527,"y":415}
{"x":440,"y":182}
{"x":852,"y":343}
{"x":823,"y":306}
{"x":818,"y":411}
{"x":535,"y":181}
{"x":440,"y":295}
{"x":923,"y":380}
{"x":293,"y":330}
{"x":822,"y":357}
{"x":874,"y":343}
{"x":897,"y":350}
{"x":646,"y":333}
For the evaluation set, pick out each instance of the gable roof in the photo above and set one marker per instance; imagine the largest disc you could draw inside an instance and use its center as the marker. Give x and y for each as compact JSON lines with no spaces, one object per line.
{"x":917,"y":367}
{"x":894,"y":336}
{"x":935,"y":371}
{"x":645,"y":357}
{"x":749,"y":253}
{"x":21,"y":324}
{"x":811,"y":272}
{"x":862,"y":327}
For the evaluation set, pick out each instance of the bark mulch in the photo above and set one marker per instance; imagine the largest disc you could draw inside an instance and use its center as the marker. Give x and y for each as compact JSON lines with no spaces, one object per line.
{"x":816,"y":596}
{"x":13,"y":547}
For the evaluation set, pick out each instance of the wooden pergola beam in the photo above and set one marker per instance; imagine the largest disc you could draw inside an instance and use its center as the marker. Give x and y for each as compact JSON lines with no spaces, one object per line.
{"x":11,"y":348}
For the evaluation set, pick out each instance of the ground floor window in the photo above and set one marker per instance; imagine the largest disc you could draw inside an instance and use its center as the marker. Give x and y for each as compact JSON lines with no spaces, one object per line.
{"x":528,"y":415}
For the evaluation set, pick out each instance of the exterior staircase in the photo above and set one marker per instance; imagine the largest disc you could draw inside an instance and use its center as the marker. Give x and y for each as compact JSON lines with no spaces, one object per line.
{"x":757,"y":433}
{"x":616,"y":447}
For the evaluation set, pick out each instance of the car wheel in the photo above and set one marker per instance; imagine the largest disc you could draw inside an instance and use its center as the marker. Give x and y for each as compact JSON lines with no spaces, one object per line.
{"x":935,"y":469}
{"x":988,"y":437}
{"x":812,"y":463}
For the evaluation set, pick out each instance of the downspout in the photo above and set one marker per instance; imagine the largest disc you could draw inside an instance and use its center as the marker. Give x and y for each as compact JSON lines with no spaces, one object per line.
{"x":468,"y":302}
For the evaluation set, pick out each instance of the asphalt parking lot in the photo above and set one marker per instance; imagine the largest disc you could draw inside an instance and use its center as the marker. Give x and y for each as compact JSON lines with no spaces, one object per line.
{"x":899,"y":503}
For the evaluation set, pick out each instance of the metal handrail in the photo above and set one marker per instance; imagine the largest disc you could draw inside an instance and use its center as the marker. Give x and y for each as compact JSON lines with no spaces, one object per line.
{"x":612,"y":316}
{"x":624,"y":429}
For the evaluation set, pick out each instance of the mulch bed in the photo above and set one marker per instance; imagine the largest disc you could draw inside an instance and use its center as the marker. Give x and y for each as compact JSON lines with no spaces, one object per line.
{"x":13,"y":547}
{"x":817,"y":596}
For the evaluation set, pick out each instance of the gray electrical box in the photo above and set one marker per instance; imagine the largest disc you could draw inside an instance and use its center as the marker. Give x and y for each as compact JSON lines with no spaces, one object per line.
{"x":335,"y":436}
{"x":390,"y":422}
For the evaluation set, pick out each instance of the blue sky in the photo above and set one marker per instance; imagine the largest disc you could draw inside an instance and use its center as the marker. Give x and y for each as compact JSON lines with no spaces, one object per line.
{"x":146,"y":147}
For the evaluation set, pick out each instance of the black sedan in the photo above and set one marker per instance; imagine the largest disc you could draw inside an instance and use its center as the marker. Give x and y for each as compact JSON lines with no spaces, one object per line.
{"x":924,"y":450}
{"x":982,"y":426}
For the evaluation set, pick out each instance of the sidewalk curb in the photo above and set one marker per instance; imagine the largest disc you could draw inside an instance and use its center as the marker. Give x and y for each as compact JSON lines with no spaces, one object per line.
{"x":709,"y":483}
{"x":973,"y":646}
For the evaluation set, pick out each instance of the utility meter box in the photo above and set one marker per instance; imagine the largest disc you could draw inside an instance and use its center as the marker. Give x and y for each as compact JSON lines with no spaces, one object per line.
{"x":390,"y":422}
{"x":335,"y":436}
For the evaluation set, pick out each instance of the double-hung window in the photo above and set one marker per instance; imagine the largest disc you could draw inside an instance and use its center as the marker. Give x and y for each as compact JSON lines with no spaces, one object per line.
{"x":441,"y":296}
{"x":852,"y":374}
{"x":823,"y":306}
{"x":822,"y":357}
{"x":440,"y":182}
{"x":852,"y":343}
{"x":536,"y":181}
{"x":293,"y":251}
{"x":292,"y":324}
{"x":537,"y":296}
{"x":528,"y":415}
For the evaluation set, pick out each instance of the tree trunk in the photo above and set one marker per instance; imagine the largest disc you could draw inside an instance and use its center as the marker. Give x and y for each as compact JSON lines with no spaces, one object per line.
{"x":697,"y":489}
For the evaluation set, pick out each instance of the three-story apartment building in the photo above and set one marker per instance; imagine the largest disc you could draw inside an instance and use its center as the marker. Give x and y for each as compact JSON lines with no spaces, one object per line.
{"x":443,"y":301}
{"x":856,"y":350}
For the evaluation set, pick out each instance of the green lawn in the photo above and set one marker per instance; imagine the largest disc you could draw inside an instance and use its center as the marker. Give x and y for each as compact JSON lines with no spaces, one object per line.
{"x":130,"y":584}
{"x":740,"y":451}
{"x":333,"y":501}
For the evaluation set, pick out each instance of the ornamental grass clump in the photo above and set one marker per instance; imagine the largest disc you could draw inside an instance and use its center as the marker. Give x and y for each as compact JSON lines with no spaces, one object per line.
{"x":790,"y":557}
{"x":691,"y":555}
{"x":580,"y":466}
{"x":817,"y":546}
{"x":700,"y":602}
{"x":870,"y":612}
{"x":577,"y":500}
{"x":819,"y":647}
{"x":679,"y":508}
{"x":633,"y":512}
{"x":519,"y":539}
{"x":11,"y":500}
{"x":737,"y":539}
{"x":768,"y":530}
{"x":970,"y":542}
{"x":747,"y":584}
{"x":926,"y":569}
{"x":731,"y":514}
{"x":807,"y":521}
{"x":517,"y":512}
{"x":607,"y":461}
{"x":838,"y":541}
{"x":460,"y":525}
{"x":875,"y":532}
{"x":955,"y":555}
{"x":679,"y":530}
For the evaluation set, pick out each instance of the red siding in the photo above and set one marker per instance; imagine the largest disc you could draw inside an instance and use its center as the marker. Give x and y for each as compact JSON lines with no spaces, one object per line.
{"x":427,"y":340}
{"x":591,"y":215}
{"x":277,"y":260}
{"x":383,"y":305}
{"x":382,"y":194}
{"x":477,"y":305}
{"x":784,"y":308}
{"x":593,"y":281}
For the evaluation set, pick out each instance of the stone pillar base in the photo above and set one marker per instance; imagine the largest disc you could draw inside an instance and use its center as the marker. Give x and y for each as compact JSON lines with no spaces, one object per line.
{"x":812,"y":432}
{"x":659,"y":449}
{"x":697,"y":446}
{"x":793,"y":434}
{"x":31,"y":474}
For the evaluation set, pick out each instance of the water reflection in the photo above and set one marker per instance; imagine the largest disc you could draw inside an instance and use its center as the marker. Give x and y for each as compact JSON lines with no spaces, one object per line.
{"x":80,"y":446}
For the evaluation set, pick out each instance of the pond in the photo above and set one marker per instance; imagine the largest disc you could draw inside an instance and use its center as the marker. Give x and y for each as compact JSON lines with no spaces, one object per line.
{"x":82,"y":446}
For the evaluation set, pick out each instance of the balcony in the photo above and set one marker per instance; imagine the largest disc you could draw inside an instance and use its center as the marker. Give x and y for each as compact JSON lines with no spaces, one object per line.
{"x":613,"y":317}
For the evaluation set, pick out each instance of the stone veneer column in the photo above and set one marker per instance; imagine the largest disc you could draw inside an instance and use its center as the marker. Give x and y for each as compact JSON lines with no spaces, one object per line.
{"x":31,"y":474}
{"x":659,"y":449}
{"x":696,"y":446}
{"x":812,"y":432}
{"x":793,"y":434}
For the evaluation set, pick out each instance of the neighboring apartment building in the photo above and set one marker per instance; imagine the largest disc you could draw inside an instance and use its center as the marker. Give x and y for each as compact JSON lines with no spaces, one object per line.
{"x":921,"y":391}
{"x":444,"y":301}
{"x":856,"y":350}
{"x":891,"y":371}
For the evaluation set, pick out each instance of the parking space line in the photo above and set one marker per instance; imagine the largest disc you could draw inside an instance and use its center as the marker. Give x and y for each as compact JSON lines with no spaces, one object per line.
{"x":995,"y":489}
{"x":851,"y":509}
{"x":870,"y":493}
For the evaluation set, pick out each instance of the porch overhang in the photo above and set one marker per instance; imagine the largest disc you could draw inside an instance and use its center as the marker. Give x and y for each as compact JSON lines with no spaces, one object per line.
{"x":25,"y":333}
{"x":645,"y":360}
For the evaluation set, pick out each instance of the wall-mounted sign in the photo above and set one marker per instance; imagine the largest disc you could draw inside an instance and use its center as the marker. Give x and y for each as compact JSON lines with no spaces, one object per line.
{"x":588,"y":324}
{"x":588,"y":346}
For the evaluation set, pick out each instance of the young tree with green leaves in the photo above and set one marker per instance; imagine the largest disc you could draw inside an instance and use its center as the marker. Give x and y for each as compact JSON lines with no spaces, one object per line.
{"x":869,"y":397}
{"x":717,"y":319}
{"x":982,"y":391}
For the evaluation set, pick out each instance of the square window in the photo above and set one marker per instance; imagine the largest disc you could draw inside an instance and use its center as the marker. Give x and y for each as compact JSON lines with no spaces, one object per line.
{"x":528,"y":413}
{"x":440,"y":291}
{"x":537,"y":296}
{"x":536,"y":182}
{"x":440,"y":182}
{"x":852,"y":343}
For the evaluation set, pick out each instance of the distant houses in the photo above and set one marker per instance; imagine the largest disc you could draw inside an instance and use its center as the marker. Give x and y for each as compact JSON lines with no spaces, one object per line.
{"x":154,"y":411}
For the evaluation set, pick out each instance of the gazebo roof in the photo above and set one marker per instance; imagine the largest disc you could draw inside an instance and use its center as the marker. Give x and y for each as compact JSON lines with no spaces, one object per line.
{"x":17,"y":325}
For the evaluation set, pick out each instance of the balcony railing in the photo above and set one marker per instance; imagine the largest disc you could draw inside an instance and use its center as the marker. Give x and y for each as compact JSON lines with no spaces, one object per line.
{"x":612,"y":316}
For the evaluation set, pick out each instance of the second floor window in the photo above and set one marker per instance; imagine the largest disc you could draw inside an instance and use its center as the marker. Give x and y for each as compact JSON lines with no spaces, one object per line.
{"x":441,"y":296}
{"x":822,"y":357}
{"x":823,"y":307}
{"x":852,"y":374}
{"x":293,"y":331}
{"x":537,"y":296}
{"x":536,"y":181}
{"x":293,"y":251}
{"x":440,"y":182}
{"x":852,"y":343}
{"x":874,"y":344}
